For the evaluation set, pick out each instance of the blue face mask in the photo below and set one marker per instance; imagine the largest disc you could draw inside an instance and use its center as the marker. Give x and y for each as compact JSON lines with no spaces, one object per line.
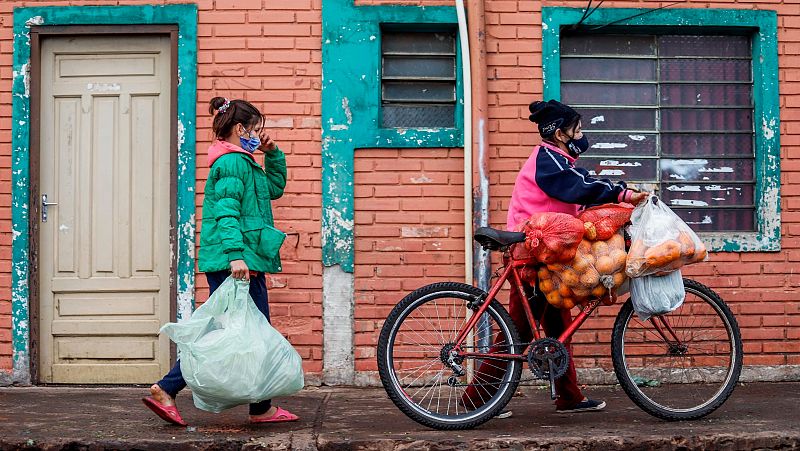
{"x":250,"y":143}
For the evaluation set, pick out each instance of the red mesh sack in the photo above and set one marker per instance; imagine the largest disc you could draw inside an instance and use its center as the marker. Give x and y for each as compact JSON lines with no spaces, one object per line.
{"x":553,"y":237}
{"x":603,"y":221}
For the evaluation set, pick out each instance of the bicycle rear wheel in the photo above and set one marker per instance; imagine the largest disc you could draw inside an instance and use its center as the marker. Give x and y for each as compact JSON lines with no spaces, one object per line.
{"x":416,"y":365}
{"x":682,"y":365}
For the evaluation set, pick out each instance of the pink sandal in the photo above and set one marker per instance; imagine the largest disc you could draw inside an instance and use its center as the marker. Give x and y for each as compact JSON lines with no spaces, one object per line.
{"x":281,"y":416}
{"x":167,"y":413}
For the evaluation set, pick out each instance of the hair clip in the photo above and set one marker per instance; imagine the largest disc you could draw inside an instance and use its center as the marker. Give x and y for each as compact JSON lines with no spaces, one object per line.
{"x":224,"y":106}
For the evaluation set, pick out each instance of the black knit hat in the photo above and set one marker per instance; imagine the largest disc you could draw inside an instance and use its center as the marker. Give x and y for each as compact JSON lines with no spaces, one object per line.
{"x":551,"y":116}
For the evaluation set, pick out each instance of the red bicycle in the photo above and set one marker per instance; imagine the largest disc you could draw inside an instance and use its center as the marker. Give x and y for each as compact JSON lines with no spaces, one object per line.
{"x":679,"y":366}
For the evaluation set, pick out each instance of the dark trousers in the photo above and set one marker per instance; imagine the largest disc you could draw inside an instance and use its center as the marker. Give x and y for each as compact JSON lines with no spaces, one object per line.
{"x":554,"y":321}
{"x":173,"y":382}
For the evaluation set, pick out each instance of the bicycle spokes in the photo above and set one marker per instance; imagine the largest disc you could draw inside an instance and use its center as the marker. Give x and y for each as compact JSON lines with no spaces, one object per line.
{"x":434,"y":373}
{"x":689,"y":350}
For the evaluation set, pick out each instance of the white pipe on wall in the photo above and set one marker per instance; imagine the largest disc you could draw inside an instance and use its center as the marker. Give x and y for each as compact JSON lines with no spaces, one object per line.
{"x":466,"y":74}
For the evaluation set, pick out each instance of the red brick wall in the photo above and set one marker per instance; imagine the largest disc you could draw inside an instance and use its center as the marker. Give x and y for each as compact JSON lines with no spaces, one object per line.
{"x":409,"y":231}
{"x":268,"y":52}
{"x":760,"y":287}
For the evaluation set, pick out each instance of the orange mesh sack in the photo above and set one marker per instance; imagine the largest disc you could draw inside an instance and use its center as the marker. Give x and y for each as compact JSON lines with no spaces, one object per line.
{"x":596,"y":272}
{"x":553,"y":237}
{"x":661,"y":241}
{"x":603,"y":221}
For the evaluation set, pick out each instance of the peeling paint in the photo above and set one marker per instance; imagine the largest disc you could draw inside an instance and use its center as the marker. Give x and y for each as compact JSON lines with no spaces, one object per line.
{"x":615,"y":163}
{"x":35,"y":20}
{"x":684,"y":188}
{"x":689,"y":202}
{"x":768,"y":130}
{"x":766,"y":112}
{"x":609,"y":146}
{"x":185,"y":16}
{"x":706,"y":220}
{"x":347,"y":113}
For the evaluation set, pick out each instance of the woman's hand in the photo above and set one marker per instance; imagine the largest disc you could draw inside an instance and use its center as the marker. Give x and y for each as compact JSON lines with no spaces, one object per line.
{"x":267,"y":144}
{"x":239,"y":270}
{"x":637,"y":198}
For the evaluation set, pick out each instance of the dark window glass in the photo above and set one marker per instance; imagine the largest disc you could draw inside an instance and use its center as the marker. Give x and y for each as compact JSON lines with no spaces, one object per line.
{"x":418,"y":79}
{"x":672,"y":113}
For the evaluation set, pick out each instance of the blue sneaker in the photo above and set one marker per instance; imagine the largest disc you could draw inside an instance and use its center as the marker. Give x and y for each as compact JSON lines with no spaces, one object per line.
{"x":590,"y":405}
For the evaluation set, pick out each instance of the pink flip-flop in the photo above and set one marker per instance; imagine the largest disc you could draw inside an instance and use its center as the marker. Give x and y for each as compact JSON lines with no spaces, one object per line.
{"x":167,"y":413}
{"x":281,"y":416}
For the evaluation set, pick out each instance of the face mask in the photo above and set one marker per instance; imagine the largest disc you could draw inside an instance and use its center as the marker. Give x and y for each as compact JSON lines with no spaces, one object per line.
{"x":578,"y":146}
{"x":250,"y":143}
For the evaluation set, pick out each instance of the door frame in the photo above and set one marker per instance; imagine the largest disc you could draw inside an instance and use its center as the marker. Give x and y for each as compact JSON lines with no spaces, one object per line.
{"x":179,"y":22}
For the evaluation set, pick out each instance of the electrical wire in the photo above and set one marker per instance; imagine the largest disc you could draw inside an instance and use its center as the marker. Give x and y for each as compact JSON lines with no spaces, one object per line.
{"x":634,"y":16}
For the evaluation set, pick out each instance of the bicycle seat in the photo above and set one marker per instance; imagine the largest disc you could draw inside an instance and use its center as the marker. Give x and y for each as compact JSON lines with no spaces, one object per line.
{"x":494,"y":239}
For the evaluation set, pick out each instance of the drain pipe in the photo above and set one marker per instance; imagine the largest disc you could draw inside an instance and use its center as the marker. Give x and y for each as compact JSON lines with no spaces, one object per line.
{"x":476,"y":22}
{"x":471,"y":24}
{"x":466,"y":69}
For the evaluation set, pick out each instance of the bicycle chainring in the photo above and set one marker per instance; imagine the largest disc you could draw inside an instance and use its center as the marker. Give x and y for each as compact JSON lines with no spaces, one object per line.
{"x":546,"y":350}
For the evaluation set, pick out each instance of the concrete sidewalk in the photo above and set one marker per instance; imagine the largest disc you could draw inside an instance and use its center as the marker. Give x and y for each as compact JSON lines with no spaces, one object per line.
{"x":759,"y":415}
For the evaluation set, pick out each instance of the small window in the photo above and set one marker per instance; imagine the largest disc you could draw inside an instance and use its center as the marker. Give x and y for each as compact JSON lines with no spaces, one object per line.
{"x":674,"y":112}
{"x":418,"y":79}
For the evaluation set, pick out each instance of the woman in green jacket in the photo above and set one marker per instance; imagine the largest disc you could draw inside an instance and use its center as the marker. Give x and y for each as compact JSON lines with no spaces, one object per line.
{"x":238,"y":236}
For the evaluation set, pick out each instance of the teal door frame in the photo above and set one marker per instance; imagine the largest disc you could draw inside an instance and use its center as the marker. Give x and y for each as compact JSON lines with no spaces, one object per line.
{"x":185,"y":17}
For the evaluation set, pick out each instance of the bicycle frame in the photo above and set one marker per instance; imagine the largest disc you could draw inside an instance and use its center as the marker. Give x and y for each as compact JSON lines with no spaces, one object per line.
{"x":511,"y":273}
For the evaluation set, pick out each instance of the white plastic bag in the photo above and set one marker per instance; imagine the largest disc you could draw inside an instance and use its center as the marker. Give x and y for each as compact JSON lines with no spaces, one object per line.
{"x":660,"y":241}
{"x":231,"y":355}
{"x":656,"y":295}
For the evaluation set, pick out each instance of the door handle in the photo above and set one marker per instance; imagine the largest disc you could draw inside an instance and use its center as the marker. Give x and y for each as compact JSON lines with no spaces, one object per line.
{"x":46,"y":204}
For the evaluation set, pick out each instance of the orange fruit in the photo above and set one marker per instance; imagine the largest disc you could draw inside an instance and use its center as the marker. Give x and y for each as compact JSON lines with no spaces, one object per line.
{"x":570,"y":277}
{"x":663,"y":254}
{"x":544,"y":274}
{"x":599,"y":291}
{"x":618,"y":256}
{"x":582,"y":294}
{"x":582,"y":263}
{"x":687,"y":244}
{"x":546,"y":285}
{"x":619,"y":279}
{"x":555,"y":267}
{"x":584,"y":247}
{"x":605,"y":265}
{"x":700,"y":254}
{"x":599,"y":248}
{"x":616,"y":242}
{"x":590,"y":278}
{"x":554,"y":299}
{"x":565,"y":291}
{"x":567,"y":303}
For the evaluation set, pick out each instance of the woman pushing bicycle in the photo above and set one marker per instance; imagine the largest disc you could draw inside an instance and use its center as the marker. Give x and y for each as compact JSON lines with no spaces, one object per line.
{"x":550,"y":182}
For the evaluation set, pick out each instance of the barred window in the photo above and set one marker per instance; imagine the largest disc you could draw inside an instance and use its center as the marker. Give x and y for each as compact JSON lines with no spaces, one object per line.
{"x":672,"y":113}
{"x":418,"y":79}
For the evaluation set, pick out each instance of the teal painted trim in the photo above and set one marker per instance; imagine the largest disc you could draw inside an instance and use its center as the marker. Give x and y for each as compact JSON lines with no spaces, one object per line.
{"x":185,"y":17}
{"x":351,"y":102}
{"x":763,"y":26}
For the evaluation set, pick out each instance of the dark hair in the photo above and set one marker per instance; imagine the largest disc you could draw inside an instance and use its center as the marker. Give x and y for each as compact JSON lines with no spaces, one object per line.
{"x":553,"y":115}
{"x":237,"y":112}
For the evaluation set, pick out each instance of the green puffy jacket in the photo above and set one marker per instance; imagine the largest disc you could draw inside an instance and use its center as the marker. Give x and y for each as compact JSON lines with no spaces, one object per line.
{"x":237,"y":219}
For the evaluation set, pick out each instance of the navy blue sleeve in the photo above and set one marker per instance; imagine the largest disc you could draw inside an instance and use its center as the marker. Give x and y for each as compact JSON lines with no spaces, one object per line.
{"x":562,"y":181}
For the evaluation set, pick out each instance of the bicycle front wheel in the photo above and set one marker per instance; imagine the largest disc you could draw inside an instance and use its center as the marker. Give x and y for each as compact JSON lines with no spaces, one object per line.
{"x":681,"y":365}
{"x":422,"y":375}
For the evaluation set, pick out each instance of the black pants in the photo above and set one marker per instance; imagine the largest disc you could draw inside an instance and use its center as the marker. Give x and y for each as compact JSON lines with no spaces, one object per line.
{"x":173,"y":382}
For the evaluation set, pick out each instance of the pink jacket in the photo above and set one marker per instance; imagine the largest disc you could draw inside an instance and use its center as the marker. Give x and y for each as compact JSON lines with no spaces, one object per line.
{"x":527,"y":198}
